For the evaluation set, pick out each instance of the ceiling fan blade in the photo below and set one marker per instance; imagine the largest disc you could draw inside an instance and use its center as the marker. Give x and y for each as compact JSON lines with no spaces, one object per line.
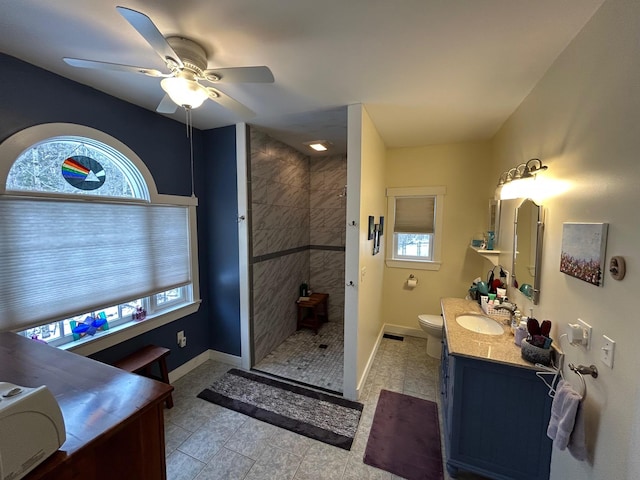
{"x":166,"y":105}
{"x":239,"y":75}
{"x":152,"y":35}
{"x":229,"y":103}
{"x":77,"y":62}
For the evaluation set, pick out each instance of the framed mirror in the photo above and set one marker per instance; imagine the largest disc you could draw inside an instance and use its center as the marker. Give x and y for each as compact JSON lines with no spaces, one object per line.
{"x":527,"y":249}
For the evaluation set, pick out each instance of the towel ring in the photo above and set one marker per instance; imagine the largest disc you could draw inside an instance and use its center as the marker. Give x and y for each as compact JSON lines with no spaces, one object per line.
{"x":582,"y":370}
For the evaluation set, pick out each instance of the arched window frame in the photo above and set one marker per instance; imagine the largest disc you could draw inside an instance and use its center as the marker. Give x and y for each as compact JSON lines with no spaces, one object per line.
{"x":18,"y":143}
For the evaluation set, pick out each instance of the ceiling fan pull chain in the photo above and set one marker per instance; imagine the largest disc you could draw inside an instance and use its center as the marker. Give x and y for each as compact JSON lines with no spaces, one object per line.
{"x":189,"y":125}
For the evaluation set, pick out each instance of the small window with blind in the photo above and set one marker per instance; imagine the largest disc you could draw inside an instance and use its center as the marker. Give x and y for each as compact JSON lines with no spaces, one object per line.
{"x":415,"y":221}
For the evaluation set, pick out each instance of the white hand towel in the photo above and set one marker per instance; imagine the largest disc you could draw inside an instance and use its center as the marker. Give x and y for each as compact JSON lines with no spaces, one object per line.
{"x":577,"y":446}
{"x":562,"y":424}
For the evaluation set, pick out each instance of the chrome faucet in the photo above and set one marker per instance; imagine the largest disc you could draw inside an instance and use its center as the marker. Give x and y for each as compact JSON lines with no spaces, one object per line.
{"x":512,"y":308}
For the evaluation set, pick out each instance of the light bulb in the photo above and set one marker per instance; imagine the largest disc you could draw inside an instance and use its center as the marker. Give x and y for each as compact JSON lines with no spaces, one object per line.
{"x":184,"y":92}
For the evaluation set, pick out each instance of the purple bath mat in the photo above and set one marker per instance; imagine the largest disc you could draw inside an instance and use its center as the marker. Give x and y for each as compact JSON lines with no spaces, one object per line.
{"x":405,"y":437}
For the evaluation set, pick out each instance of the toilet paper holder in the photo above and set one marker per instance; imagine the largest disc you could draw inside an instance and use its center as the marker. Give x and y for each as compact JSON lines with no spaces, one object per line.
{"x":412,"y":281}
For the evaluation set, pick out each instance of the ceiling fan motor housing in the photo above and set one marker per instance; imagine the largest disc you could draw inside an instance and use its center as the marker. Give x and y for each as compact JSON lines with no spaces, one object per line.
{"x":192,"y":55}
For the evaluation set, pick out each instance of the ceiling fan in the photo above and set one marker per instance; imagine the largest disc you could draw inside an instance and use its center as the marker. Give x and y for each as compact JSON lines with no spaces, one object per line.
{"x":187,"y":65}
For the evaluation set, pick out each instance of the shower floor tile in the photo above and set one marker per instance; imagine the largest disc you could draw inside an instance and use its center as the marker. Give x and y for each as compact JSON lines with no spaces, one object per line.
{"x":316,"y":360}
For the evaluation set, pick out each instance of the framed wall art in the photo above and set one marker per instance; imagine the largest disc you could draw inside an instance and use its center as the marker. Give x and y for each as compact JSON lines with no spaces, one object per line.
{"x":583,"y":251}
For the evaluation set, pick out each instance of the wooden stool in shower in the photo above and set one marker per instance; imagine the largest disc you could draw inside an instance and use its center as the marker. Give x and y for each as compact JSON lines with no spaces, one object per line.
{"x":313,"y":312}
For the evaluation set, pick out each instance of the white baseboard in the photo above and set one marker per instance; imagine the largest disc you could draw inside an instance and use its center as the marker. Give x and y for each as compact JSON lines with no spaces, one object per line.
{"x":185,"y":368}
{"x":195,"y":362}
{"x":402,"y":330}
{"x":225,"y":358}
{"x":367,"y":367}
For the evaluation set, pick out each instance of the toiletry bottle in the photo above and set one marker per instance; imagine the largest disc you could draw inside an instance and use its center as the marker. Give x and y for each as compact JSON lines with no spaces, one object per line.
{"x":521,"y":333}
{"x":515,"y":321}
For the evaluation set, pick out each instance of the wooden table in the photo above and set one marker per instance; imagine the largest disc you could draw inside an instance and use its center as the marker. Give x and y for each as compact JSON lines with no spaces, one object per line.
{"x":312,"y":312}
{"x":114,"y":419}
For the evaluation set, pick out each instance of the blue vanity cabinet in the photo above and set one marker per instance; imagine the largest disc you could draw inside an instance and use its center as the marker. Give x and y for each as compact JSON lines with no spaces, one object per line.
{"x":495,"y":419}
{"x":446,"y":391}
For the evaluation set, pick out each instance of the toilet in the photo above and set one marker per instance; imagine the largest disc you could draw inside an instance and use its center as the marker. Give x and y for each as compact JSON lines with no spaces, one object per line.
{"x":432,"y":325}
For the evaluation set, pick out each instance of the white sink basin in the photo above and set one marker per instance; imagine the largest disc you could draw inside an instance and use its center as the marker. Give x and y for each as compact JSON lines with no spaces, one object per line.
{"x":480,"y":324}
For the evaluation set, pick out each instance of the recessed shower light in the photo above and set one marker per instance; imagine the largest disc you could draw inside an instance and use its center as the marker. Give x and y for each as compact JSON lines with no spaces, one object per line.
{"x":318,"y":145}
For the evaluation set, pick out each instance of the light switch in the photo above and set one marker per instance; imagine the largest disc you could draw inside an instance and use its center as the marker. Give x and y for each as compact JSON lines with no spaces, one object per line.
{"x":607,"y":350}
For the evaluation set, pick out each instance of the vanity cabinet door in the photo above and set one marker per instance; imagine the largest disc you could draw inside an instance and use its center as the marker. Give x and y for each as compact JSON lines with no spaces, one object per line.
{"x":498,"y":421}
{"x":446,"y":390}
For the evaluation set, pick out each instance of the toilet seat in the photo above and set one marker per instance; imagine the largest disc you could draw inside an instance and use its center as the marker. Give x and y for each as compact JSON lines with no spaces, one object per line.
{"x":431,"y":320}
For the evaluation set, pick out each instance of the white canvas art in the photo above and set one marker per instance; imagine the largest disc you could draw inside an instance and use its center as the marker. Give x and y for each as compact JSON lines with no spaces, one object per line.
{"x":583,"y":251}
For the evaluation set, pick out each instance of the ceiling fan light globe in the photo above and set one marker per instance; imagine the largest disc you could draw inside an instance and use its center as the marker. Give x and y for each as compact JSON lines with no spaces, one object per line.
{"x":184,"y":92}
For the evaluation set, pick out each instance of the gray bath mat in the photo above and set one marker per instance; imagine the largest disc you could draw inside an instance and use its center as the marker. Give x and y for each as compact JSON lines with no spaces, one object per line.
{"x":316,"y":415}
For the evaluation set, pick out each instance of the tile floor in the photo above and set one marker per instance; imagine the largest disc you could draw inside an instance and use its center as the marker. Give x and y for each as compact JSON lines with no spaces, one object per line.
{"x":205,"y":441}
{"x":309,"y":358}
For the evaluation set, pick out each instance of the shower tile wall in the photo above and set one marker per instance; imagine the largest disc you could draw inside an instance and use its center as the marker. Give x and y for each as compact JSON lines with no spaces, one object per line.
{"x":279,"y":186}
{"x":275,"y":291}
{"x":298,"y":234}
{"x":327,"y":205}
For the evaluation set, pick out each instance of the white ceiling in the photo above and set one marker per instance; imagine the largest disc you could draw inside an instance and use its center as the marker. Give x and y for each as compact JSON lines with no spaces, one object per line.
{"x":427,"y":71}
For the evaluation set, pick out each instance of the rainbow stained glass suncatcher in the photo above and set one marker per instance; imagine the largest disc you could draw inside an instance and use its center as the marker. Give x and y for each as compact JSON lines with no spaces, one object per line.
{"x":83,"y":172}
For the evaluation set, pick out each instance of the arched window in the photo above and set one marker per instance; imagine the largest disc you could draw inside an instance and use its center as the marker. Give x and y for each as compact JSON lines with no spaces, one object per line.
{"x":76,"y":166}
{"x":87,"y":244}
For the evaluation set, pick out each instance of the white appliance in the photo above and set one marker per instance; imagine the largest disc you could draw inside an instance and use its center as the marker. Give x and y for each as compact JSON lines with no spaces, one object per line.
{"x":31,"y":429}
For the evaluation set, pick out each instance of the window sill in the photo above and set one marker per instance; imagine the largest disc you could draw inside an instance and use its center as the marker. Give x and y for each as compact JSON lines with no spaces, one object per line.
{"x":413,"y":264}
{"x":118,"y":334}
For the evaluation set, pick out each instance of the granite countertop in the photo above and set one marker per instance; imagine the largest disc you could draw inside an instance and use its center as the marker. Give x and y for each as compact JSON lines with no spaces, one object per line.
{"x":494,"y":348}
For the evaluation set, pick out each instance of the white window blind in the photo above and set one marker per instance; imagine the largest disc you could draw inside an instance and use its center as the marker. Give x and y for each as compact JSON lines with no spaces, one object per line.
{"x":414,"y":215}
{"x":61,"y":257}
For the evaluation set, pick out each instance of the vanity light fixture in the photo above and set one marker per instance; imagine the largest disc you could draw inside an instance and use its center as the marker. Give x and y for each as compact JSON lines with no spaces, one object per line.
{"x":518,"y":181}
{"x":524,"y":170}
{"x":532,"y":167}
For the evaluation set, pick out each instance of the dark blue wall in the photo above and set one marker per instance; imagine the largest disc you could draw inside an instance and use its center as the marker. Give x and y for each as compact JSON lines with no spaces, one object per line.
{"x":221,"y":238}
{"x":31,"y":96}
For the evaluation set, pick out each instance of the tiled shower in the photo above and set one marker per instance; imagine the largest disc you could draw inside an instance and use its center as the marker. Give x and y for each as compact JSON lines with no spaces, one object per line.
{"x":298,"y":223}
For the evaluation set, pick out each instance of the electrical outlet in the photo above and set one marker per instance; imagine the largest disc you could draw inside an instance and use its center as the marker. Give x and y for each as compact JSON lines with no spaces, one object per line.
{"x":586,"y":334}
{"x":607,"y":350}
{"x":180,"y":336}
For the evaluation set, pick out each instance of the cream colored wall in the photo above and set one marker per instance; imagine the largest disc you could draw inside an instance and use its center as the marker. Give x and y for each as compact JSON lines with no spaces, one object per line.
{"x":582,"y":121}
{"x":465,"y":170}
{"x":372,"y":202}
{"x":365,"y":196}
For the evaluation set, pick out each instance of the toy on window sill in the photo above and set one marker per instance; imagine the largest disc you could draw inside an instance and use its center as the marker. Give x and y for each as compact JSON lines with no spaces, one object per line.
{"x":89,"y":326}
{"x":139,"y":314}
